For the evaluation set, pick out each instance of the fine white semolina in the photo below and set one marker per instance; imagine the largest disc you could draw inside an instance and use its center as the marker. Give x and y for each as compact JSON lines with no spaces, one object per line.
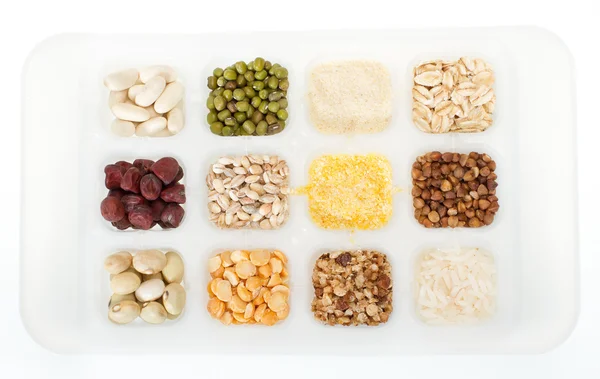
{"x":350,"y":97}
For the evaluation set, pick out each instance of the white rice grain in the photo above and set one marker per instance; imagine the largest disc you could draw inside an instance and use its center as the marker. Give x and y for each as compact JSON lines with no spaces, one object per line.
{"x":455,"y":286}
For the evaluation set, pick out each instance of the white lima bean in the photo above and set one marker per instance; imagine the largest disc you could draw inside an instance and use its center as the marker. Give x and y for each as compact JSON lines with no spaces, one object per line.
{"x":121,"y":80}
{"x":173,"y":271}
{"x":149,"y":261}
{"x":152,"y":112}
{"x":130,"y":269}
{"x":151,"y":127}
{"x":172,"y":94}
{"x":124,"y":283}
{"x":150,"y":290}
{"x":124,"y":312}
{"x":152,"y":90}
{"x":135,"y":90}
{"x":153,"y":313}
{"x":174,"y":298}
{"x":168,"y":73}
{"x":130,"y":112}
{"x":116,"y":97}
{"x":175,"y":120}
{"x":116,"y":299}
{"x":145,"y":95}
{"x":122,"y":128}
{"x":118,"y":262}
{"x":163,"y":133}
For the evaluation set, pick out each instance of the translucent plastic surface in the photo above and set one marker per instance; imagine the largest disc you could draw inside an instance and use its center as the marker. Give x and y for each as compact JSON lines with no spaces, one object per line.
{"x":67,"y":141}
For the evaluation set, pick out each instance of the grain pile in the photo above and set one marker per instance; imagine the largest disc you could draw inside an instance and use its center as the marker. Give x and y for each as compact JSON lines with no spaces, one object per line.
{"x":453,"y":96}
{"x":455,"y":286}
{"x":352,"y":288}
{"x":350,"y":97}
{"x":454,"y":190}
{"x":248,"y":287}
{"x":350,"y":191}
{"x":248,"y":191}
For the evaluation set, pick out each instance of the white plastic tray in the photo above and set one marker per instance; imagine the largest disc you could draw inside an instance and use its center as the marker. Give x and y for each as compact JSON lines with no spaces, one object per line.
{"x":67,"y":141}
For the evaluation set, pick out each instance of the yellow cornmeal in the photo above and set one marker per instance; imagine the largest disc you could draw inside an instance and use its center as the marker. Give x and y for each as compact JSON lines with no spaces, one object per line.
{"x":350,"y":191}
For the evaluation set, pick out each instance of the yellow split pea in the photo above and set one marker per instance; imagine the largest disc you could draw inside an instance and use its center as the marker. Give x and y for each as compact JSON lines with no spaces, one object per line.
{"x":350,"y":191}
{"x":248,"y":287}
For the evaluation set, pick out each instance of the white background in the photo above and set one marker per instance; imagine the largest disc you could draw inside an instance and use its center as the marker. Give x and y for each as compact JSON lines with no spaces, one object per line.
{"x":26,"y":23}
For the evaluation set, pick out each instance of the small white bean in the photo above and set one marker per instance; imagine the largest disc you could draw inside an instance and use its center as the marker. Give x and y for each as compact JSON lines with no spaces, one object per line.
{"x":152,"y":112}
{"x":152,"y":90}
{"x":122,"y":128}
{"x":121,"y":80}
{"x":124,"y":283}
{"x":149,"y":261}
{"x":130,"y":112}
{"x":174,"y":298}
{"x":163,"y":133}
{"x":130,"y":269}
{"x":116,"y":299}
{"x":116,"y":97}
{"x":124,"y":312}
{"x":153,"y":313}
{"x":172,"y":94}
{"x":118,"y":262}
{"x":173,"y":271}
{"x":168,"y":73}
{"x":150,"y":290}
{"x":175,"y":120}
{"x":151,"y":127}
{"x":135,"y":90}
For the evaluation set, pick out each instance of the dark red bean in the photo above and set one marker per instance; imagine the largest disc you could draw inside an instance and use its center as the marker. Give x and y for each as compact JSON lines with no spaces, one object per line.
{"x":163,"y":225}
{"x":150,"y":186}
{"x":118,"y":193}
{"x":113,"y":176}
{"x":112,"y":209}
{"x":131,"y":201}
{"x":157,"y":207}
{"x":174,"y":194}
{"x":122,"y":224}
{"x":126,"y":165}
{"x":143,"y":165}
{"x":131,"y":180}
{"x":172,"y":215}
{"x":179,"y":175}
{"x":141,"y":217}
{"x":166,"y":169}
